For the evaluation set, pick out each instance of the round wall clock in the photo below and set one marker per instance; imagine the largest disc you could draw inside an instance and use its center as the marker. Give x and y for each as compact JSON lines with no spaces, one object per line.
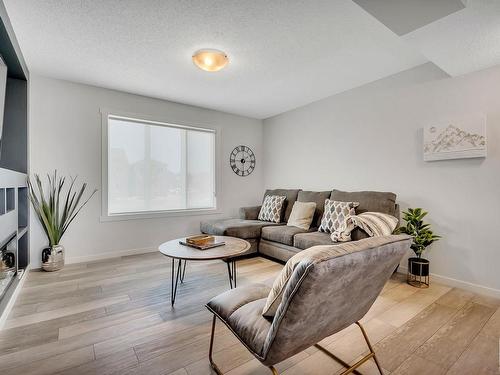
{"x":242,"y":160}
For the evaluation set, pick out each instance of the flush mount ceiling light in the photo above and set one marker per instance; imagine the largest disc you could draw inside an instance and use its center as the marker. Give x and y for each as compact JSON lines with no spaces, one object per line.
{"x":210,"y":60}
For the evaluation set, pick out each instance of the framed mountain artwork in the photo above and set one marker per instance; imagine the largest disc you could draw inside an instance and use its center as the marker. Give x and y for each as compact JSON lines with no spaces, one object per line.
{"x":457,"y":139}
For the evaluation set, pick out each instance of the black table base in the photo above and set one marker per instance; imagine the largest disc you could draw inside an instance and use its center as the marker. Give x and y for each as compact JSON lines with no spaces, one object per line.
{"x":178,"y":272}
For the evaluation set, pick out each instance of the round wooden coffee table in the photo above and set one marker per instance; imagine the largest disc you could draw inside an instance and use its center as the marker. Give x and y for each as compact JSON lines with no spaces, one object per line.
{"x":182,"y":253}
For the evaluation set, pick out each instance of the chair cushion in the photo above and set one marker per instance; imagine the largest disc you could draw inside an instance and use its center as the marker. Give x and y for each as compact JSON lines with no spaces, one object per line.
{"x":228,"y":302}
{"x":250,"y":326}
{"x":369,"y":201}
{"x":241,"y":310}
{"x":282,"y":234}
{"x":302,"y":215}
{"x":240,"y":228}
{"x":306,"y":240}
{"x":291,"y":197}
{"x":318,"y":197}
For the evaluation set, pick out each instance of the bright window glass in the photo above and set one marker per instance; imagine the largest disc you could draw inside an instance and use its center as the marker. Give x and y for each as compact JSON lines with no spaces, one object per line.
{"x":159,"y":167}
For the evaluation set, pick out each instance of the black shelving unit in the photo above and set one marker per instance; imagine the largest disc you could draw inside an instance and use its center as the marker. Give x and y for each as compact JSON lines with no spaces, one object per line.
{"x":23,"y":251}
{"x":10,"y":199}
{"x":2,"y":201}
{"x":22,"y":227}
{"x":14,"y":202}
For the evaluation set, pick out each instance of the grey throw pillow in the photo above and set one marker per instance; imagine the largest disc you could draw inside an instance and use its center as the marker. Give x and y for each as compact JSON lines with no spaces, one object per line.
{"x":335,"y":215}
{"x":271,"y":209}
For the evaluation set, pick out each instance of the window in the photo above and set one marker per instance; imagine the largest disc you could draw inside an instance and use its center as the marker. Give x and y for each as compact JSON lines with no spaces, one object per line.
{"x":157,"y":167}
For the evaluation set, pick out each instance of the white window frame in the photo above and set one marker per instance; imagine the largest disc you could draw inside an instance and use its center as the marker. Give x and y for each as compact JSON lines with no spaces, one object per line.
{"x":141,"y":118}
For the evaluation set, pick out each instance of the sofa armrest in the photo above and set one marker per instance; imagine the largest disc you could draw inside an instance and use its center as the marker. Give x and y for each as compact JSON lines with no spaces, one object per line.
{"x":397,"y":214}
{"x":249,"y":213}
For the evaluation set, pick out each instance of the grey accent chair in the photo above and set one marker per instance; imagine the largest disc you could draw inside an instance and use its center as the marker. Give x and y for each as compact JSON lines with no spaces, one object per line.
{"x":328,"y":291}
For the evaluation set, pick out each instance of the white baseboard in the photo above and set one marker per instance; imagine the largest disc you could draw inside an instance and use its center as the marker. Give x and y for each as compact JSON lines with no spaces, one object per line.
{"x":471,"y":287}
{"x":13,"y":298}
{"x":109,"y":254}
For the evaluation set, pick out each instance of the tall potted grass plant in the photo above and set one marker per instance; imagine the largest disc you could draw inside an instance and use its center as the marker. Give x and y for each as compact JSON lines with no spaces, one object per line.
{"x":56,"y":206}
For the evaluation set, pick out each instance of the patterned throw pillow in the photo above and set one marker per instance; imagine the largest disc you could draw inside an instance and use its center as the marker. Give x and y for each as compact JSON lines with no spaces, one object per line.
{"x":335,"y":215}
{"x":271,"y":209}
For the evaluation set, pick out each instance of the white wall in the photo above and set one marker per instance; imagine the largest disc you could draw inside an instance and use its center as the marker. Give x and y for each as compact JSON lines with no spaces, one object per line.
{"x":65,"y":133}
{"x":371,"y":138}
{"x":367,"y":138}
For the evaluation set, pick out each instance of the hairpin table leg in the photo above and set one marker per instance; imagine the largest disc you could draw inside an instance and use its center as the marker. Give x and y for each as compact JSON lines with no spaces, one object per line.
{"x":175,"y":277}
{"x":231,"y":272}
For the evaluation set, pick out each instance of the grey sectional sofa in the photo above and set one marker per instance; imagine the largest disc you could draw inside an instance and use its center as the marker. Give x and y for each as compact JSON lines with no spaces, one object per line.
{"x":279,"y":241}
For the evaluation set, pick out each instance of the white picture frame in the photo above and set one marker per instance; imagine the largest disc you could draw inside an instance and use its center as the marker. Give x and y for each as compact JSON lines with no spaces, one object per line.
{"x":460,"y":138}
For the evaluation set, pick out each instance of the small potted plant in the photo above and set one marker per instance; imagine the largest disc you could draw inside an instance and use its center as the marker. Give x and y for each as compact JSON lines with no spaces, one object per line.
{"x":418,"y":267}
{"x":56,"y":210}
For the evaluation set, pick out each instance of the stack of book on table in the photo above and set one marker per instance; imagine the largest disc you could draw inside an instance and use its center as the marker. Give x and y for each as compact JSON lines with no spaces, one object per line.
{"x":202,"y":242}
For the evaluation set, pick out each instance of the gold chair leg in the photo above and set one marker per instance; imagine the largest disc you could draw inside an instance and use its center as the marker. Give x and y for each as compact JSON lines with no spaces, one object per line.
{"x":334,"y":357}
{"x":353,"y":368}
{"x":349,"y":369}
{"x":370,"y":347}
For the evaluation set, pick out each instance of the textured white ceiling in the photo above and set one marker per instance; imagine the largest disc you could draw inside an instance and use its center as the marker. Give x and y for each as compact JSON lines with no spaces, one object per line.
{"x":463,"y":42}
{"x":283,"y":53}
{"x":403,"y":16}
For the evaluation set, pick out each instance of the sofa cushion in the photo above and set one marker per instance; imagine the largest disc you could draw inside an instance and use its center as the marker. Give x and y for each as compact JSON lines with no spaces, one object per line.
{"x":291,"y":197}
{"x":306,"y":240}
{"x":272,"y":208}
{"x":276,"y":250}
{"x":249,"y":213}
{"x":318,"y":197}
{"x":282,"y":234}
{"x":302,"y":215}
{"x":369,"y":201}
{"x":240,"y":228}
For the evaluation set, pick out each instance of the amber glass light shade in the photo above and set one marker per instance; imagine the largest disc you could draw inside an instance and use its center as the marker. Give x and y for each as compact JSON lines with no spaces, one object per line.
{"x":210,"y":60}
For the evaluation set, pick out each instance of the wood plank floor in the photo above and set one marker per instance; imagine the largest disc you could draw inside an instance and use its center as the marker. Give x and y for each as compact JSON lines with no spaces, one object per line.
{"x":114,"y":317}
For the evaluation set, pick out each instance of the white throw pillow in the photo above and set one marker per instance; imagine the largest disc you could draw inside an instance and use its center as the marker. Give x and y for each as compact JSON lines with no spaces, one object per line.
{"x":336,"y":214}
{"x":271,"y":209}
{"x":302,"y":215}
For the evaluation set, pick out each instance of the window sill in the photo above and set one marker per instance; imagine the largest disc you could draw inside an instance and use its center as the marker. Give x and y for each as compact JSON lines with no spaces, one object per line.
{"x":159,"y":215}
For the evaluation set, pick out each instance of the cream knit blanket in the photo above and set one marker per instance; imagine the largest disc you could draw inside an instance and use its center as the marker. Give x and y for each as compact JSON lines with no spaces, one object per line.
{"x":373,"y":223}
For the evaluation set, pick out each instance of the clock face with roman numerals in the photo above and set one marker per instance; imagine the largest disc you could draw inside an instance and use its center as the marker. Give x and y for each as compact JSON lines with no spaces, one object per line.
{"x":242,"y":160}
